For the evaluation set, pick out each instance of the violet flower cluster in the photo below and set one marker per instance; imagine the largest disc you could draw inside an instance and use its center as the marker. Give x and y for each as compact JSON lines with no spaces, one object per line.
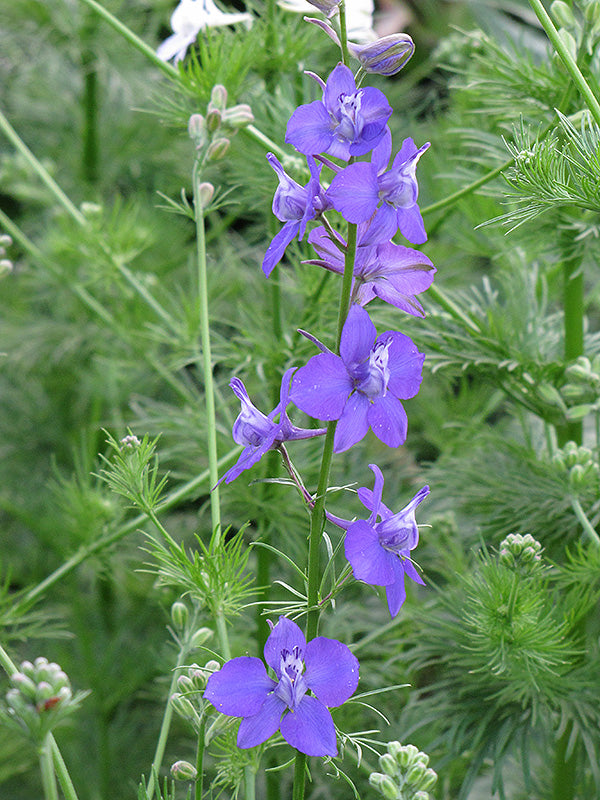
{"x":361,"y":388}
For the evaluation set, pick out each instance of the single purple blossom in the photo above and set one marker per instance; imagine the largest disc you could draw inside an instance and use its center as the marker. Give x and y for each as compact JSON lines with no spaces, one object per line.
{"x":379,"y":552}
{"x":259,"y":433}
{"x":347,"y":122}
{"x":294,"y":205}
{"x":361,"y":387}
{"x":389,"y":271}
{"x":324,"y":667}
{"x":384,"y":199}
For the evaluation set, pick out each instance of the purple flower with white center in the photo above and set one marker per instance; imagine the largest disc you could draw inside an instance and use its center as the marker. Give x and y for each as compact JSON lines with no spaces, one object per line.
{"x":385,"y":199}
{"x":294,"y":205}
{"x":379,"y":552}
{"x":324,"y":667}
{"x":389,"y":271}
{"x":362,"y":387}
{"x":259,"y":433}
{"x":347,"y":122}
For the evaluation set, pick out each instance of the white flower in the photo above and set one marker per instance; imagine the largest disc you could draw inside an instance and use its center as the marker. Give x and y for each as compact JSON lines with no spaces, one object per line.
{"x":359,"y":16}
{"x":188,"y":19}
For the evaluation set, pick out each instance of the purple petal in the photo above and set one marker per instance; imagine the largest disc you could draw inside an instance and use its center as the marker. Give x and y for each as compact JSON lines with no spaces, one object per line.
{"x":285,"y":636}
{"x":370,"y":562}
{"x":310,"y":728}
{"x":321,"y":387}
{"x":405,"y":365}
{"x":409,"y":569}
{"x":277,"y":247}
{"x":352,"y":425}
{"x":331,"y":670}
{"x":375,"y":111}
{"x":240,"y":687}
{"x":408,"y":149}
{"x":381,"y":154}
{"x":260,"y":727}
{"x":358,"y":338}
{"x":354,"y":192}
{"x":309,"y":129}
{"x":250,"y":456}
{"x":326,"y":249}
{"x":372,"y":500}
{"x":411,"y":224}
{"x":340,"y":82}
{"x":382,"y":227}
{"x":396,"y":593}
{"x":388,"y":420}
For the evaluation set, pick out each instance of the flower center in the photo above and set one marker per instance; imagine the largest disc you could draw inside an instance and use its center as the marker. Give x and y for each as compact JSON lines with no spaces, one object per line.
{"x":292,"y":686}
{"x":375,"y":383}
{"x":350,"y":121}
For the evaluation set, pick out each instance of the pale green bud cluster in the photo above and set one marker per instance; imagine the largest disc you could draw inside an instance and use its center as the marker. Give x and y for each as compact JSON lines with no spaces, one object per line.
{"x":579,"y":463}
{"x":188,"y":702}
{"x":184,"y":771}
{"x":520,"y":549}
{"x":405,"y":773}
{"x":577,"y":29}
{"x":40,"y":696}
{"x":210,"y":132}
{"x":6,"y":265}
{"x":582,"y":390}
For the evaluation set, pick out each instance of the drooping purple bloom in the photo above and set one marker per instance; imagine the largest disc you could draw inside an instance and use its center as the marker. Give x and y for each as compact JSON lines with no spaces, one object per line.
{"x":294,"y":205}
{"x":379,"y":552}
{"x":347,"y":122}
{"x":324,"y":667}
{"x":384,"y":199}
{"x":389,"y":271}
{"x":361,"y":387}
{"x":259,"y":433}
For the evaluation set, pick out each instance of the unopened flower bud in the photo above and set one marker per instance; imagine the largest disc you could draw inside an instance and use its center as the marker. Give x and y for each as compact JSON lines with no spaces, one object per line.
{"x":386,"y":56}
{"x":408,"y":755}
{"x":416,"y":773}
{"x":420,"y":796}
{"x":327,"y":7}
{"x":184,"y":771}
{"x":217,"y":149}
{"x":5,"y":240}
{"x":179,"y":615}
{"x":388,"y":765}
{"x":562,"y":14}
{"x":197,"y":129}
{"x":238,"y":116}
{"x":569,"y":42}
{"x":185,"y":684}
{"x":218,"y":98}
{"x":213,"y":120}
{"x":394,"y":749}
{"x":385,"y":785}
{"x":183,"y":706}
{"x":428,"y":780}
{"x":205,"y":193}
{"x":130,"y":442}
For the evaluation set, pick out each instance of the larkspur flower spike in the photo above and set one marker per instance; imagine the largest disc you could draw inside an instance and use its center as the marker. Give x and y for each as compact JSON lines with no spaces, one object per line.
{"x":379,"y":551}
{"x":311,"y":678}
{"x":362,"y":387}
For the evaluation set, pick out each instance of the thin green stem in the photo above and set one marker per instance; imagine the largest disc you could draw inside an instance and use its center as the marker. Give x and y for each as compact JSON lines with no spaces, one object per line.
{"x":472,"y":187}
{"x":223,"y":635}
{"x":7,"y":663}
{"x":166,"y":722}
{"x":133,"y":39}
{"x":573,"y":304}
{"x":62,"y":772}
{"x":47,"y":770}
{"x":262,"y":138}
{"x":585,"y":523}
{"x":91,"y":153}
{"x":344,"y":33}
{"x":106,"y":541}
{"x":198,"y":789}
{"x":250,"y":782}
{"x":567,"y":59}
{"x":209,"y":394}
{"x":40,"y":170}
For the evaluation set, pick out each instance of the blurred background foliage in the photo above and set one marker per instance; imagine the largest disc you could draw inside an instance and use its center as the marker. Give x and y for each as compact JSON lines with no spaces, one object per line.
{"x":483,"y":88}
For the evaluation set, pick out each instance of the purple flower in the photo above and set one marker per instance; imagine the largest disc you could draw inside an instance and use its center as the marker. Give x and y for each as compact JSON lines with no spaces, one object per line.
{"x":389,"y":271}
{"x":295,"y":205}
{"x":361,"y":387}
{"x":385,"y":199}
{"x":347,"y":122}
{"x":324,"y":667}
{"x":379,"y":552}
{"x":259,"y":433}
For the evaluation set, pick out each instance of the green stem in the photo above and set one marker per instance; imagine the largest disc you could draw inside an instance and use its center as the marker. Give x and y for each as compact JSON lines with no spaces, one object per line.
{"x":101,"y":544}
{"x":133,"y":39}
{"x":223,"y":635}
{"x":259,"y":136}
{"x":585,"y":523}
{"x":472,"y":187}
{"x":250,"y":782}
{"x":166,"y":722}
{"x":344,"y":33}
{"x":563,"y":780}
{"x":567,"y":59}
{"x":198,"y":789}
{"x":47,"y":770}
{"x":62,"y":773}
{"x":209,"y":394}
{"x":7,"y":663}
{"x":573,"y":303}
{"x":90,"y":156}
